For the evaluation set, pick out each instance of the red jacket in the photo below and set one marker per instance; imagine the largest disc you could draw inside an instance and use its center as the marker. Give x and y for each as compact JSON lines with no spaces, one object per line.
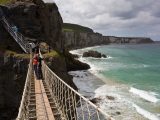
{"x":35,"y":60}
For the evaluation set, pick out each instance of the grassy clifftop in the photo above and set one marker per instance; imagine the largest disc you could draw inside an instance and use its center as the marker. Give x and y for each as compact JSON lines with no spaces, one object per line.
{"x":3,"y":2}
{"x":75,"y":27}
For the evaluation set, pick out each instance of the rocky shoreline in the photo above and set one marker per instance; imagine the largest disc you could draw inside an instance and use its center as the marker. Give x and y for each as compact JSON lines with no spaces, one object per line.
{"x":85,"y":81}
{"x":104,"y":94}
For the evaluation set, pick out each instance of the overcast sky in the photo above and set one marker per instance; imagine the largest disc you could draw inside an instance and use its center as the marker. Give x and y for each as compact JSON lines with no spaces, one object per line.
{"x":114,"y":17}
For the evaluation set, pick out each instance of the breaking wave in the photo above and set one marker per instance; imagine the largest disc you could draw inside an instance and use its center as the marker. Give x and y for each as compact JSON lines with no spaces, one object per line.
{"x":149,"y":96}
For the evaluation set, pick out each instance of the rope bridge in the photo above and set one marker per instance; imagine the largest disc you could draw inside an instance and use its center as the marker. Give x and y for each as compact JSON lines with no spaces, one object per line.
{"x":51,"y":98}
{"x":18,"y":37}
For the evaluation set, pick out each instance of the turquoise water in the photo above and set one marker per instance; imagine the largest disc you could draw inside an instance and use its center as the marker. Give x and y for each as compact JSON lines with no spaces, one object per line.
{"x":135,"y":65}
{"x":134,"y":71}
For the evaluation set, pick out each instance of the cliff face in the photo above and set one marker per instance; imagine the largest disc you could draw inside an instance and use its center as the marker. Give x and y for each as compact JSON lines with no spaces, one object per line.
{"x":74,"y":40}
{"x":78,"y":40}
{"x":6,"y":41}
{"x":134,"y":40}
{"x":13,"y":73}
{"x":37,"y":21}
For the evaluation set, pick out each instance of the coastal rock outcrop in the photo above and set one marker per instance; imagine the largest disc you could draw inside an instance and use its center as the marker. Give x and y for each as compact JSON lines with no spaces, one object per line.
{"x":73,"y":64}
{"x":96,"y":100}
{"x":92,"y":53}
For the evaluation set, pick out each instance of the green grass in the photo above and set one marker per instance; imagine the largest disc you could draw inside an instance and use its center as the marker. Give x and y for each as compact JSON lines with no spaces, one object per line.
{"x":68,"y":30}
{"x":25,"y":56}
{"x":12,"y":53}
{"x":53,"y":53}
{"x":3,"y":2}
{"x":76,"y":28}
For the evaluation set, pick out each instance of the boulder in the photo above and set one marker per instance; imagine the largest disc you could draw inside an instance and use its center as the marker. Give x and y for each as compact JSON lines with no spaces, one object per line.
{"x":95,"y":100}
{"x":94,"y":54}
{"x":103,"y":55}
{"x":110,"y":97}
{"x":118,"y":113}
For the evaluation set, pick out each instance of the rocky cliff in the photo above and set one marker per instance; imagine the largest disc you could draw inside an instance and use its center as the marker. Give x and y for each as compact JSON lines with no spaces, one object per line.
{"x":133,"y":40}
{"x":36,"y":21}
{"x":13,"y":72}
{"x":79,"y":40}
{"x":74,"y":39}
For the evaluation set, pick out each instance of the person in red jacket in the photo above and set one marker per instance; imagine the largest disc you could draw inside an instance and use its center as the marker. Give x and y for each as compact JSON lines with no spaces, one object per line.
{"x":35,"y":64}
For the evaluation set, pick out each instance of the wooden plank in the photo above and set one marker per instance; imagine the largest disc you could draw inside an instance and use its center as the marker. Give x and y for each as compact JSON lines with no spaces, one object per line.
{"x":43,"y":108}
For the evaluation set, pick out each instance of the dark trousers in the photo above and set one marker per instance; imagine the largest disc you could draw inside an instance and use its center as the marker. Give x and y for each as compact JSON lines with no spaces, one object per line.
{"x":39,"y":70}
{"x":35,"y":70}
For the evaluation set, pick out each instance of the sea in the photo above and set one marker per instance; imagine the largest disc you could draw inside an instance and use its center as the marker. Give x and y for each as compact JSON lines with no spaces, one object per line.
{"x":130,"y":74}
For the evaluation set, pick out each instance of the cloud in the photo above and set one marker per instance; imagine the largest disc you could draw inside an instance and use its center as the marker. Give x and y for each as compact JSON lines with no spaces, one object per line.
{"x":116,"y":17}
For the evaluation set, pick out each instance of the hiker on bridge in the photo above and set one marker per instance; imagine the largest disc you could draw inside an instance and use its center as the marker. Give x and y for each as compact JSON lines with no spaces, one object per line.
{"x":15,"y":29}
{"x":39,"y":67}
{"x":36,"y":48}
{"x":35,"y":64}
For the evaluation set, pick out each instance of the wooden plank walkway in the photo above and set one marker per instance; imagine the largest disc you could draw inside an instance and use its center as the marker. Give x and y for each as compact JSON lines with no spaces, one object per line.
{"x":43,"y":108}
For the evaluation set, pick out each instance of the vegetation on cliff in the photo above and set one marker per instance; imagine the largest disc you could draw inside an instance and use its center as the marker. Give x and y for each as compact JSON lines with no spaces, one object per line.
{"x":53,"y":53}
{"x":3,"y":2}
{"x":76,"y":28}
{"x":17,"y":55}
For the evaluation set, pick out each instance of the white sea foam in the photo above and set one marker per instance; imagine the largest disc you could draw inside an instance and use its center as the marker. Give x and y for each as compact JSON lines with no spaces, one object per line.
{"x":76,"y":52}
{"x":145,"y":113}
{"x":90,"y":48}
{"x":108,"y":57}
{"x":120,"y":103}
{"x":82,"y":50}
{"x":149,"y":96}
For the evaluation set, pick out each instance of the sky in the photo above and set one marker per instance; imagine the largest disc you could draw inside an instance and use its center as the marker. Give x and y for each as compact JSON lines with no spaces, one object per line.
{"x":133,"y":18}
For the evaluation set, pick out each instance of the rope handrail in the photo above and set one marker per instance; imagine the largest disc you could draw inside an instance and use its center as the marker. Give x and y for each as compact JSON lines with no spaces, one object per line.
{"x":23,"y":113}
{"x":53,"y":77}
